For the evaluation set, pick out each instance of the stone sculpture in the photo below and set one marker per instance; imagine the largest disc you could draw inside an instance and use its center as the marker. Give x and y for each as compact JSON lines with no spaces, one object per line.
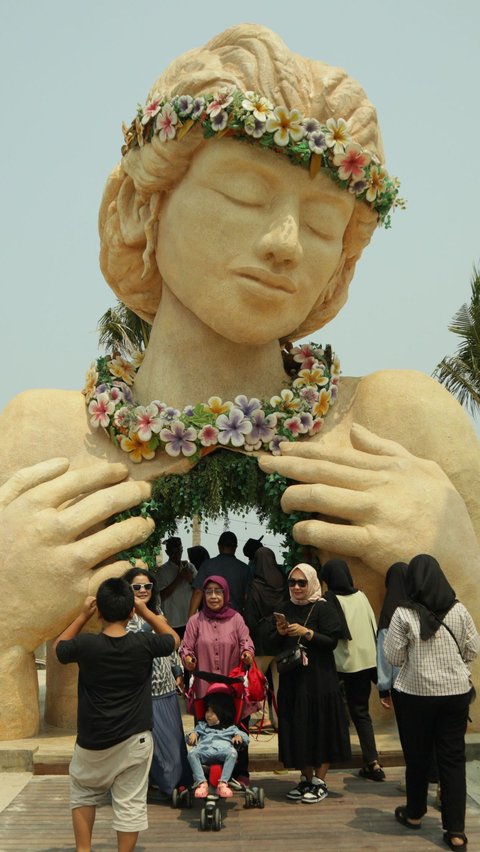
{"x":227,"y":249}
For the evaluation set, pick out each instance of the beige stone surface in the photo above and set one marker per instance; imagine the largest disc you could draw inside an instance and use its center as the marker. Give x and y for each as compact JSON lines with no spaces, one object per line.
{"x":232,"y":249}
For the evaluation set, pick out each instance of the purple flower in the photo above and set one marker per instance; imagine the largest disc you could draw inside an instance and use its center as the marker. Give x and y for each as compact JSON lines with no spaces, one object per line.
{"x":127,"y":392}
{"x":100,"y":388}
{"x":220,"y":120}
{"x":198,"y":107}
{"x":306,"y":420}
{"x":178,"y":439}
{"x":309,"y":394}
{"x":233,"y":427}
{"x":170,"y":413}
{"x":188,"y":410}
{"x":317,"y":142}
{"x":184,"y":105}
{"x":263,"y":427}
{"x":311,"y":125}
{"x":357,"y":187}
{"x":274,"y":445}
{"x":248,"y":406}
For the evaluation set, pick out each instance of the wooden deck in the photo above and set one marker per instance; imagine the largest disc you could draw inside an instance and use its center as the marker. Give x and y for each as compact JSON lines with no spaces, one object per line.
{"x":357,"y":815}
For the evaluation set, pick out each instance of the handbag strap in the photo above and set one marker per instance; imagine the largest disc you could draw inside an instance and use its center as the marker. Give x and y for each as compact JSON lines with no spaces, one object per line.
{"x":305,"y":622}
{"x":452,"y":634}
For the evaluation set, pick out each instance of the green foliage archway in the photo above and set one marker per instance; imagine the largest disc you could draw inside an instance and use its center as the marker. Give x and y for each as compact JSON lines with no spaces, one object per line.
{"x":220,"y":484}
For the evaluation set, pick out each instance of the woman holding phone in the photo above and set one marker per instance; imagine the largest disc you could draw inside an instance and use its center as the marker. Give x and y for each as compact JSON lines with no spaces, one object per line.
{"x":312,"y":727}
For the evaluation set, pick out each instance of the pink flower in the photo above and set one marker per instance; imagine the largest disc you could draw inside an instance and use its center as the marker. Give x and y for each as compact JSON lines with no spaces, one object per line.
{"x":352,"y":162}
{"x":208,"y":436}
{"x":315,"y":427}
{"x":100,"y":409}
{"x":147,"y":421}
{"x":151,"y":109}
{"x":294,"y":425}
{"x":220,"y":102}
{"x":165,"y":123}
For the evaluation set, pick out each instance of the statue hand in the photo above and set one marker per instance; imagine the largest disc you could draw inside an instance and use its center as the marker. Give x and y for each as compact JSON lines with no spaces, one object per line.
{"x":384,"y":503}
{"x":51,"y":535}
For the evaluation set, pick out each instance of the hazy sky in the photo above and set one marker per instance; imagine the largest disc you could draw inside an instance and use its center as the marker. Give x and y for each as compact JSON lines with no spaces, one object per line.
{"x":71,"y":72}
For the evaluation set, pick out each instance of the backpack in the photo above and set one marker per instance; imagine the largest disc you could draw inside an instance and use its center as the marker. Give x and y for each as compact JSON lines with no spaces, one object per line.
{"x":255,"y":682}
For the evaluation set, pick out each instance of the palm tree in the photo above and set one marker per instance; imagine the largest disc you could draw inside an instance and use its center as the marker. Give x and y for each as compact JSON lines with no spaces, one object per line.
{"x":460,"y":373}
{"x":123,"y":331}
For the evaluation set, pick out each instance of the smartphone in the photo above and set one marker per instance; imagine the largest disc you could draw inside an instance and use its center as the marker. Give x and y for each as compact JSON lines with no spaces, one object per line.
{"x":280,"y":616}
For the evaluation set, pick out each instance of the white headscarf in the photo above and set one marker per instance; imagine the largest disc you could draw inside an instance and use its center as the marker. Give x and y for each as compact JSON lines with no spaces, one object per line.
{"x":314,"y":589}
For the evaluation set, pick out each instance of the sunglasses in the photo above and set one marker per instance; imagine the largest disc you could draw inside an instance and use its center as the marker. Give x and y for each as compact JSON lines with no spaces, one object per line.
{"x":302,"y":584}
{"x":209,"y":592}
{"x":137,"y":587}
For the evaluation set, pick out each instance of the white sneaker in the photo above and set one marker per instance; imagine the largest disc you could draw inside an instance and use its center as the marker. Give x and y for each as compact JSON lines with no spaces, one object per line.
{"x":296,"y":793}
{"x":316,"y":791}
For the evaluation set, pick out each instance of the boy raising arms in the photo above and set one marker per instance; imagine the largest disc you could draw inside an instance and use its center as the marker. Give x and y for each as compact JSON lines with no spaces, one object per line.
{"x":114,"y":747}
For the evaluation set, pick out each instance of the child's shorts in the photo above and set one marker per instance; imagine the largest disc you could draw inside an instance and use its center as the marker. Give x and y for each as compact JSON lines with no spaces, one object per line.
{"x":121,"y":769}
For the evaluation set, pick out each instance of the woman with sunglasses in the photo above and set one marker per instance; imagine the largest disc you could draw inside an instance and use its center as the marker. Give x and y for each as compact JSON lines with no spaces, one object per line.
{"x":170,"y":767}
{"x":216,"y":640}
{"x":312,"y":726}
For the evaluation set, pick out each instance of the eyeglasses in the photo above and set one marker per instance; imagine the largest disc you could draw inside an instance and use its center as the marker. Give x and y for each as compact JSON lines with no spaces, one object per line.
{"x":210,"y":592}
{"x":302,"y":584}
{"x":137,"y":587}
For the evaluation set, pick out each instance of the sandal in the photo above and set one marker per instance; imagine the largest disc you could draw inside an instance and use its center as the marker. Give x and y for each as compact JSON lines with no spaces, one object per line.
{"x":373,"y":771}
{"x":447,"y":838}
{"x":401,"y":816}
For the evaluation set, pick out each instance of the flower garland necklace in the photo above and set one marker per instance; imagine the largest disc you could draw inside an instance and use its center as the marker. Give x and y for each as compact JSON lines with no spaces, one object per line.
{"x":250,"y":117}
{"x":247,"y":424}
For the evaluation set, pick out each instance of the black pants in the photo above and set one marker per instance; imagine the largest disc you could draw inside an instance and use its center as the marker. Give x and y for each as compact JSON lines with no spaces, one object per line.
{"x":428,"y":722}
{"x":357,"y":692}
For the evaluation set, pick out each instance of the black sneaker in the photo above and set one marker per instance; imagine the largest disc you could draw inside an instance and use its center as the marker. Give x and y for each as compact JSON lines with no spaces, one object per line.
{"x":316,"y":792}
{"x":297,"y":792}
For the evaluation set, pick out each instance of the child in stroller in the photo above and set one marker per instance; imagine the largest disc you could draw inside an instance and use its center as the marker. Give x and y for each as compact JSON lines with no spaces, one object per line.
{"x":215,"y":740}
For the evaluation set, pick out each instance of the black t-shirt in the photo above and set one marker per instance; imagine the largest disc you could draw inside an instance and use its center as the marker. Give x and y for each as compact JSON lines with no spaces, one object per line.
{"x":235,"y":572}
{"x":114,"y":684}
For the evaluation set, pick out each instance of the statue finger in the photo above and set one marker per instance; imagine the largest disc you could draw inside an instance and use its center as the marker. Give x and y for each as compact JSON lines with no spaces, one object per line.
{"x":337,"y":538}
{"x":320,"y":471}
{"x":328,"y":500}
{"x":97,"y":547}
{"x":103,"y":504}
{"x":29,"y":477}
{"x":77,"y":482}
{"x":116,"y":569}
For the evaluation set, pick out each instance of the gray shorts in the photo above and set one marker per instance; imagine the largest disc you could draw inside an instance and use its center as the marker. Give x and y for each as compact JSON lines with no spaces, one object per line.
{"x":121,"y":769}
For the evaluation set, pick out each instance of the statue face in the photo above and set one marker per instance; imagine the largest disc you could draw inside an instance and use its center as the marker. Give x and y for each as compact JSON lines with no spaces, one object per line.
{"x":248,"y":242}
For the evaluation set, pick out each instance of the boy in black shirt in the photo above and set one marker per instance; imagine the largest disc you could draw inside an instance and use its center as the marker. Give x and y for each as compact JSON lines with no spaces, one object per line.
{"x":114,"y":748}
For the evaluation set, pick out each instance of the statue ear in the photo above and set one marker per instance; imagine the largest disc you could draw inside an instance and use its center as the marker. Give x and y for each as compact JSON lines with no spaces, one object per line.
{"x":133,"y":209}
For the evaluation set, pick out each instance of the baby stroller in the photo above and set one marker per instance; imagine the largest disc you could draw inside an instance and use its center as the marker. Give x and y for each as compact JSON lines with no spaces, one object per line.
{"x":210,"y":814}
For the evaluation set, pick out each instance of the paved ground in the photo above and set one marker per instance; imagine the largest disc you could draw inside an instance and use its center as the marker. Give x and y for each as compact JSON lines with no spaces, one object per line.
{"x":357,"y":815}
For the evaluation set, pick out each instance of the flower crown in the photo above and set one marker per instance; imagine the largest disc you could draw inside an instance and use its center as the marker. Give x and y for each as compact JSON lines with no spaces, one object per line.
{"x":251,"y":117}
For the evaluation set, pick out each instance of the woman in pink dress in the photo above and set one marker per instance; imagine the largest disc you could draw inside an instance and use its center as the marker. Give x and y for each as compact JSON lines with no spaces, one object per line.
{"x":216,"y":640}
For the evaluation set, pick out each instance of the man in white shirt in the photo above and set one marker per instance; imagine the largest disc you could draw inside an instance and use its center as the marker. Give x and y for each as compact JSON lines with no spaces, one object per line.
{"x":174,"y":581}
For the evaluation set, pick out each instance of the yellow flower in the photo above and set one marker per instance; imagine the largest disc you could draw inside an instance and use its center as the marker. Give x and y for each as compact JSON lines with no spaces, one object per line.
{"x":137,"y":358}
{"x":286,"y":401}
{"x":322,"y":405}
{"x":216,"y":406}
{"x":122,"y":369}
{"x":91,"y":380}
{"x":310,"y":377}
{"x":136,"y":448}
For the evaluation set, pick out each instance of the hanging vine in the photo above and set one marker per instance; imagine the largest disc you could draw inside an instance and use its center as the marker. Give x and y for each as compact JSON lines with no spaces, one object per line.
{"x":221,"y":483}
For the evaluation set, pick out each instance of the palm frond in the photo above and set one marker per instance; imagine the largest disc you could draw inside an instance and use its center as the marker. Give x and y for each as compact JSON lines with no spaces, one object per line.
{"x":460,"y":373}
{"x":121,"y":330}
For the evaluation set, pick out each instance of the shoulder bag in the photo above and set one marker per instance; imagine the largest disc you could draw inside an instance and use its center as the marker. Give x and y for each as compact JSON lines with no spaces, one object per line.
{"x":292,"y":658}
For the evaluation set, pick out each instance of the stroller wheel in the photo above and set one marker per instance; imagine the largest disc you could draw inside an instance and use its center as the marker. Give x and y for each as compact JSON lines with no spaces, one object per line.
{"x":188,"y":799}
{"x":217,"y":819}
{"x":203,"y":820}
{"x":260,"y":797}
{"x":175,"y":798}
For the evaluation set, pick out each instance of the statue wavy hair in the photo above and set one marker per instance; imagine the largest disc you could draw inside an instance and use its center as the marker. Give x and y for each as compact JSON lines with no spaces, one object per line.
{"x":249,"y":57}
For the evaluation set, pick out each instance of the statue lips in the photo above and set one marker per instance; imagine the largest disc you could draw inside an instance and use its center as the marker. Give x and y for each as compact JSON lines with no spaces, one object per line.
{"x":258,"y":275}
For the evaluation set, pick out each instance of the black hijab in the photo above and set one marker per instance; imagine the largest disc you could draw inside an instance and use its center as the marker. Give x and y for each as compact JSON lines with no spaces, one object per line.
{"x":428,"y":592}
{"x":336,"y":574}
{"x":396,"y":592}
